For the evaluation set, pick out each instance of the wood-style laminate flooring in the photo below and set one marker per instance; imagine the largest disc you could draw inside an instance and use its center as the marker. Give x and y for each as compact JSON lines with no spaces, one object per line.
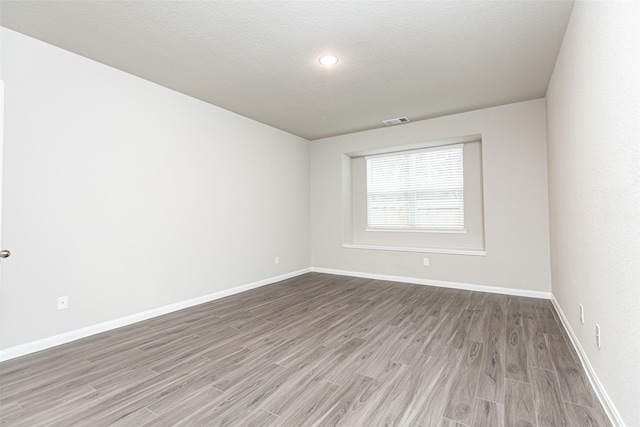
{"x":315,"y":350}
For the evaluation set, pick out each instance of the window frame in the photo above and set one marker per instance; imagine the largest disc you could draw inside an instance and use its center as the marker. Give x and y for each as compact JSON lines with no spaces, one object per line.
{"x":354,"y":210}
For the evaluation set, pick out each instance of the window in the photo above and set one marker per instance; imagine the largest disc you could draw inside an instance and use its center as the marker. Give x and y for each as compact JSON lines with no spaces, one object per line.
{"x":420,"y":197}
{"x":418,"y":190}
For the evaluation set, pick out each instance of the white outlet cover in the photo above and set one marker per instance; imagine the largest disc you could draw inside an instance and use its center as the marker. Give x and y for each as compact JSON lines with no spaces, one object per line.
{"x":581,"y":307}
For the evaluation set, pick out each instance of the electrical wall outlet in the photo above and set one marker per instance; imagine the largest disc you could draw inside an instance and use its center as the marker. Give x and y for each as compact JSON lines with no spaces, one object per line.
{"x":598,"y":341}
{"x":277,"y":260}
{"x":63,"y":303}
{"x":425,"y":262}
{"x":581,"y":307}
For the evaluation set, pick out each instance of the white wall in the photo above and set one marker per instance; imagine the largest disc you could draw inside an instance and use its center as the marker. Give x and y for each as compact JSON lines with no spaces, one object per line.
{"x":593,"y":115}
{"x":127,"y":196}
{"x":515,"y":200}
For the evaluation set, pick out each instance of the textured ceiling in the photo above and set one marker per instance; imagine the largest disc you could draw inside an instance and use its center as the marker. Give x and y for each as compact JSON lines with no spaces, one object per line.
{"x":419,"y":59}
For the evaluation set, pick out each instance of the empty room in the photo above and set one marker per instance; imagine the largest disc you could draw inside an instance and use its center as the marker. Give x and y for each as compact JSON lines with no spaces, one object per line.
{"x":314,"y":213}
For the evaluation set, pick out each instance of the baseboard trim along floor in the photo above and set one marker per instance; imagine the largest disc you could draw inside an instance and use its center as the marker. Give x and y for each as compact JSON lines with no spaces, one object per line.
{"x":316,"y":349}
{"x":53,"y":341}
{"x":45,"y":343}
{"x":439,"y":283}
{"x":601,"y":393}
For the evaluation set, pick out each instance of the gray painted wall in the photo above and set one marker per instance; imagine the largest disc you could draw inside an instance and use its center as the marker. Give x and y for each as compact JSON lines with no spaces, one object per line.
{"x":515,"y":200}
{"x":593,"y":114}
{"x":127,"y":196}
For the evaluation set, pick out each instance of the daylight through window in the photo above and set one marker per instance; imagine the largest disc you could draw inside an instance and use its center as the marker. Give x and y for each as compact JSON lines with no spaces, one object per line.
{"x":416,"y":190}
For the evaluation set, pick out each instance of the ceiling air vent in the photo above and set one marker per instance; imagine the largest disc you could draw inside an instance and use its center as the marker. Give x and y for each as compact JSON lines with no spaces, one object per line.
{"x":397,"y":121}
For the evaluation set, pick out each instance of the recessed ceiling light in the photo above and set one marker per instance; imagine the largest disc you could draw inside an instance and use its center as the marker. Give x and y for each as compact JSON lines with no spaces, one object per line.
{"x":328,"y":60}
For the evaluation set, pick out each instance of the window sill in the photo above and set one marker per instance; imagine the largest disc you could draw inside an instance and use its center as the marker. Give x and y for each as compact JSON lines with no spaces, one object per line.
{"x":473,"y":252}
{"x":416,"y":230}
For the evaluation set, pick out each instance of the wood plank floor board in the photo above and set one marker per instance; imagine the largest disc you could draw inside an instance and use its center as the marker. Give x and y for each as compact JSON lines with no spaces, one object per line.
{"x":528,"y":309}
{"x":446,"y":422}
{"x":221,"y":332}
{"x":310,"y":350}
{"x":516,"y":353}
{"x":587,"y":417}
{"x":408,"y":349}
{"x":478,"y":326}
{"x":259,"y":418}
{"x":43,"y":416}
{"x":563,"y":333}
{"x":514,"y":312}
{"x":172,"y":401}
{"x":574,"y":384}
{"x":461,"y":329}
{"x":15,"y":391}
{"x":455,"y":301}
{"x":335,"y":360}
{"x":136,"y":418}
{"x":381,"y":351}
{"x":360,"y":408}
{"x":74,"y":377}
{"x":193,"y":406}
{"x":214,"y":371}
{"x":114,"y":380}
{"x":103,"y":408}
{"x":247,"y":397}
{"x":243,"y":372}
{"x":302,"y":379}
{"x":519,"y":405}
{"x":335,"y":336}
{"x":134,"y":394}
{"x":116,"y":347}
{"x":193,"y":356}
{"x":441,"y":298}
{"x":549,"y":322}
{"x":550,"y":408}
{"x":163,"y":343}
{"x":175,"y":346}
{"x":394,"y":396}
{"x":436,"y":342}
{"x":316,"y":349}
{"x":373,"y":322}
{"x":492,"y":371}
{"x":13,"y":372}
{"x":45,"y":404}
{"x":330,"y":317}
{"x":12,"y":414}
{"x":341,"y":403}
{"x":538,"y":353}
{"x":312,"y":408}
{"x":247,"y":338}
{"x":360,"y":359}
{"x":428,"y":385}
{"x":394,"y":407}
{"x":462,"y":389}
{"x":488,"y":414}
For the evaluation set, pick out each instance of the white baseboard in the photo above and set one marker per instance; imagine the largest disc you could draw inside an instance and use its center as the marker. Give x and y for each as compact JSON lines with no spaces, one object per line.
{"x":440,"y":283}
{"x":42,"y":344}
{"x":605,"y":400}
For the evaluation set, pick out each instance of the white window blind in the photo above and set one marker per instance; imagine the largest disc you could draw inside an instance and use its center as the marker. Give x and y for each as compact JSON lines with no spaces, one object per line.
{"x":416,"y":190}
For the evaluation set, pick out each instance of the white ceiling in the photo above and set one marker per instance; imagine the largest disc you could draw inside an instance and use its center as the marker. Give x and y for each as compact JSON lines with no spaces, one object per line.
{"x":419,"y":59}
